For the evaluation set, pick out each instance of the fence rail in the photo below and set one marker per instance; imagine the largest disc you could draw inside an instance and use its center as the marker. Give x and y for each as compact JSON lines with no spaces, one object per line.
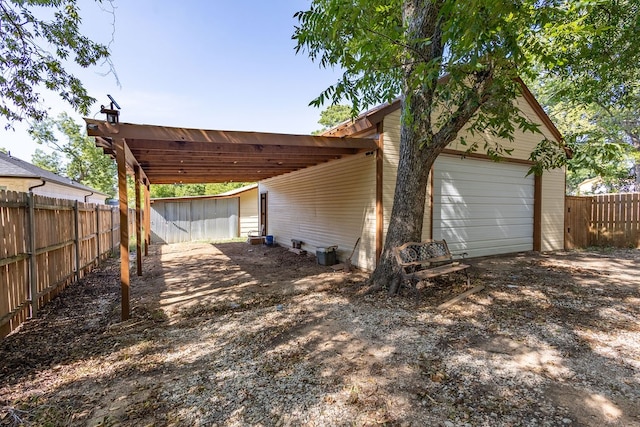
{"x":45,"y":245}
{"x":603,"y":220}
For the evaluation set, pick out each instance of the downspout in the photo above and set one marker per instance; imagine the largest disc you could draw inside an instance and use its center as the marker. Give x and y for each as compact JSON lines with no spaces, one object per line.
{"x":88,"y":195}
{"x":37,"y":185}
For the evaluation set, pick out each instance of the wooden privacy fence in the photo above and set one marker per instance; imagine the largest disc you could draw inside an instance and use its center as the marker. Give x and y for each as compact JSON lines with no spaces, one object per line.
{"x":46,"y":244}
{"x":602,"y":220}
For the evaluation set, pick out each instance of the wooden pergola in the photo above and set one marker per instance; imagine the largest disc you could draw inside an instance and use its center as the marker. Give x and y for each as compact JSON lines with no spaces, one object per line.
{"x":168,"y":155}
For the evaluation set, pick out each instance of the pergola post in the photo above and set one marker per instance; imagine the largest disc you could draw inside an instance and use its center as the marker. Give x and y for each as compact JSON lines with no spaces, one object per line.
{"x":121,"y":160}
{"x":138,"y":178}
{"x":147,"y":218}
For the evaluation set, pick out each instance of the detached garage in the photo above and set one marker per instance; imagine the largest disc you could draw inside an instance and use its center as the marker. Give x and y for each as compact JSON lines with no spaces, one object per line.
{"x":477,"y":205}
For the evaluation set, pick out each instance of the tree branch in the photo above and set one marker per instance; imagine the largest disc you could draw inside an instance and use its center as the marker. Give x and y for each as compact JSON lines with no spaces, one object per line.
{"x":473,"y":101}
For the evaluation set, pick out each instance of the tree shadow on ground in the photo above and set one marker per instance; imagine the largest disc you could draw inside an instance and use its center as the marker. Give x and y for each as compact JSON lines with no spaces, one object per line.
{"x":231,"y":334}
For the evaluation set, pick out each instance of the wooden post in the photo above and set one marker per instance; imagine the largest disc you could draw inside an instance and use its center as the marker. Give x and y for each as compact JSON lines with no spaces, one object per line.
{"x":138,"y":178}
{"x":537,"y":213}
{"x":121,"y":160}
{"x":76,"y":224}
{"x":147,"y":218}
{"x":111,"y":245}
{"x":379,"y":193}
{"x":33,"y":282}
{"x":98,"y":234}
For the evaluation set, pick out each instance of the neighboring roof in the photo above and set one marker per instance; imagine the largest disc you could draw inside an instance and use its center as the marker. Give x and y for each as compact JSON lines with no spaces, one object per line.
{"x":225,"y":195}
{"x":167,"y":155}
{"x":13,"y":167}
{"x":369,"y":120}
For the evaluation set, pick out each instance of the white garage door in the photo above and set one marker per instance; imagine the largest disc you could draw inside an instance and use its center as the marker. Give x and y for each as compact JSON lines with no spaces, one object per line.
{"x":482,"y":207}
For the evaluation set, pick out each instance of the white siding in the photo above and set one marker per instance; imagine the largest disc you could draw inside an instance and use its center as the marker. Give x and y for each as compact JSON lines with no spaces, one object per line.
{"x":524,"y":142}
{"x":482,"y":207}
{"x":18,"y":184}
{"x":64,"y":192}
{"x":553,"y":194}
{"x":325,"y":205}
{"x":248,"y":211}
{"x":50,"y":189}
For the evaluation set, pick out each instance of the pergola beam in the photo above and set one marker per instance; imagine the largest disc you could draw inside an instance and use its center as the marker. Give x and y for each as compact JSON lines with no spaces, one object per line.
{"x":190,"y":136}
{"x":205,"y":149}
{"x":174,"y":155}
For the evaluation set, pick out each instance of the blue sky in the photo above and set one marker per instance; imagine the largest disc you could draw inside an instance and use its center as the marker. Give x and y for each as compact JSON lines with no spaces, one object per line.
{"x":205,"y":64}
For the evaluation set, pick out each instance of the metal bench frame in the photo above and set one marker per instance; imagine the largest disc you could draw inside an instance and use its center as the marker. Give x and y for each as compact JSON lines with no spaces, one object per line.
{"x":419,"y":261}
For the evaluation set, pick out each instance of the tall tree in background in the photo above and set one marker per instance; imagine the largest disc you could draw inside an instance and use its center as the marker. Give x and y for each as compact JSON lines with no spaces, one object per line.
{"x":453,"y":63}
{"x":333,"y":115}
{"x":182,"y":190}
{"x":34,"y":53}
{"x":52,"y":162}
{"x":83,"y":161}
{"x":596,"y":102}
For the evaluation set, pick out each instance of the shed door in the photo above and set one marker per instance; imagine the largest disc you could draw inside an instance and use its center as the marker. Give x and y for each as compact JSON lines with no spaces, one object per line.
{"x":482,"y":207}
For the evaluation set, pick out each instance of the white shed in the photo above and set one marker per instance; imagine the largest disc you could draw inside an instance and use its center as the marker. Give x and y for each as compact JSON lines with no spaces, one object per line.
{"x":192,"y":218}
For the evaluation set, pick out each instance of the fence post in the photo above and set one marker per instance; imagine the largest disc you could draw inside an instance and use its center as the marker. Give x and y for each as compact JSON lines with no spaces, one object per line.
{"x":77,"y":228}
{"x":33,"y":282}
{"x":111,"y":232}
{"x":98,"y":234}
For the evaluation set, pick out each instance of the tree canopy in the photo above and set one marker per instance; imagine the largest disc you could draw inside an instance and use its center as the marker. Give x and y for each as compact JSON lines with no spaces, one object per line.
{"x":454,"y":64}
{"x":76,"y":156}
{"x":180,"y":190}
{"x":39,"y":40}
{"x":333,"y":115}
{"x":595,"y":101}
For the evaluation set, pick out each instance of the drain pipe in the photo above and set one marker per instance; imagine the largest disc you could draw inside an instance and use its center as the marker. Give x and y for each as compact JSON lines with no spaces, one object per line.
{"x":88,"y":195}
{"x":37,"y":185}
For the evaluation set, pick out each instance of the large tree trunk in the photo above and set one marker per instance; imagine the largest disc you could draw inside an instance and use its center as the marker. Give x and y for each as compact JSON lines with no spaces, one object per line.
{"x":408,"y":205}
{"x":420,"y":141}
{"x":417,"y":148}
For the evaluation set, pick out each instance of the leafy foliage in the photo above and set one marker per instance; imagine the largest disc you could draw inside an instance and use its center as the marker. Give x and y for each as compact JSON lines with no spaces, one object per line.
{"x":481,"y":47}
{"x":48,"y":161}
{"x":181,"y":190}
{"x":595,"y":100}
{"x":35,"y":53}
{"x":332,"y":116}
{"x":455,"y":65}
{"x":82,"y":161}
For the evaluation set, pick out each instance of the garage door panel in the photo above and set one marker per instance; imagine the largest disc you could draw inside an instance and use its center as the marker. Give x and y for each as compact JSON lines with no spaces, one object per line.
{"x":474,"y":199}
{"x":490,"y":232}
{"x":484,"y":222}
{"x":489,"y":247}
{"x":482,"y":207}
{"x":474,"y":211}
{"x":484,"y":174}
{"x":476,"y":188}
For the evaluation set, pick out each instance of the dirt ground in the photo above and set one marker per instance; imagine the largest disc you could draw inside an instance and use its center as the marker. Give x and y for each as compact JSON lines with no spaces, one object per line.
{"x":232,"y":335}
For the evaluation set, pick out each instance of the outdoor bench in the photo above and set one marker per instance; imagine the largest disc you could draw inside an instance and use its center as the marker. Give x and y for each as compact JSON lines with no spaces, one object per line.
{"x":418,"y":261}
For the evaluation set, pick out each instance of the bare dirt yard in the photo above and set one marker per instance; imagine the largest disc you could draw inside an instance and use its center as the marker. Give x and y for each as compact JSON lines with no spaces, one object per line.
{"x":233,"y":335}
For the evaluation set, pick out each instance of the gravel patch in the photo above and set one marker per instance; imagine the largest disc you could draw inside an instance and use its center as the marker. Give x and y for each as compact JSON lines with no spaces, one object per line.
{"x":234,"y":335}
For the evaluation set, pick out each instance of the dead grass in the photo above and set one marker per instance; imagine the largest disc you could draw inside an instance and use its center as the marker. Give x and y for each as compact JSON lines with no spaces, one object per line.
{"x":231,"y":334}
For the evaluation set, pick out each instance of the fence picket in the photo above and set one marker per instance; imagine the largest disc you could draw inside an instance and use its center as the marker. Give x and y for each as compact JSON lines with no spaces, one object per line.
{"x":57,"y":238}
{"x":608,"y":220}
